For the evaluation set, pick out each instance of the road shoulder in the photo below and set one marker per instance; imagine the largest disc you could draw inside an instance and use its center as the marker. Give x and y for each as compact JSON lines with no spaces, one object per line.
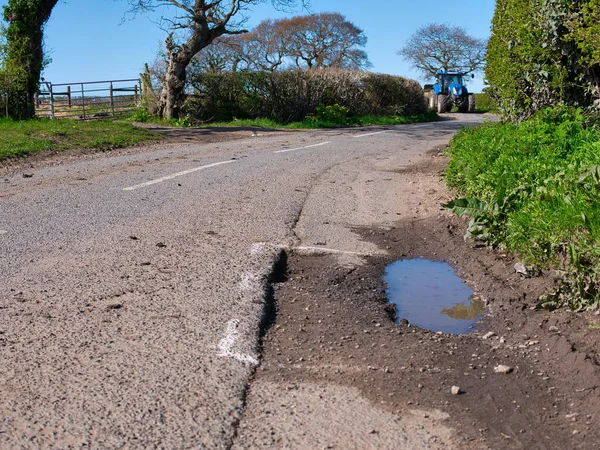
{"x":334,"y":348}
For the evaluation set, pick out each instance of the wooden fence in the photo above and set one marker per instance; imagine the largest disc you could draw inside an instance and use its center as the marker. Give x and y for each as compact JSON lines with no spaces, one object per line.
{"x":88,"y":100}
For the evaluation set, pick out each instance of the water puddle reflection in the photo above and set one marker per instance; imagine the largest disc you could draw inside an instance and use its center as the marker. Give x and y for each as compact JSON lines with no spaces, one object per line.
{"x":430,"y":295}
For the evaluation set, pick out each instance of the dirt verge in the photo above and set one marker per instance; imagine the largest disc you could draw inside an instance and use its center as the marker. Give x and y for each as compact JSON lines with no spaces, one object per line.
{"x":334,"y":344}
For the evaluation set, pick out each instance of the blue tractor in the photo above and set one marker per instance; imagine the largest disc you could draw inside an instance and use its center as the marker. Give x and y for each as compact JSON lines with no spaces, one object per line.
{"x":450,"y":91}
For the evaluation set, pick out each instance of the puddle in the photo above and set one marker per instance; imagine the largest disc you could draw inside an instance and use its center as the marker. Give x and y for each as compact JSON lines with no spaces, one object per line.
{"x":430,"y":295}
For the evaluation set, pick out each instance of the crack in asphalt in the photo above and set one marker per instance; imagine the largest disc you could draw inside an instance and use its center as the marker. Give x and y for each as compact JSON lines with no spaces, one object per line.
{"x":298,"y":216}
{"x":277,"y":274}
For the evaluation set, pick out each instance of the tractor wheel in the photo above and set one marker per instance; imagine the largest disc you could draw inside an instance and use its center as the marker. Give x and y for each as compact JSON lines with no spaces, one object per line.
{"x":441,"y":103}
{"x":471,"y":103}
{"x":433,"y":100}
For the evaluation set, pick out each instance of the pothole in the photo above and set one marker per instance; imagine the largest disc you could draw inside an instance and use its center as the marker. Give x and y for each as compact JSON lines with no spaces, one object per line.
{"x":431,"y":296}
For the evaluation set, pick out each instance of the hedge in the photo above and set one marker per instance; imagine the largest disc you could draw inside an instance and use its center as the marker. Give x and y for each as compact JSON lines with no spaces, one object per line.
{"x":288,"y":96}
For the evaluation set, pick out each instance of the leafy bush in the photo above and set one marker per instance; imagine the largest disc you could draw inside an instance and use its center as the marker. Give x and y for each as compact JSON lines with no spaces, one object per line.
{"x":288,"y":96}
{"x":141,"y":115}
{"x":484,"y":102}
{"x":541,"y":54}
{"x":533,"y":189}
{"x":334,"y":113}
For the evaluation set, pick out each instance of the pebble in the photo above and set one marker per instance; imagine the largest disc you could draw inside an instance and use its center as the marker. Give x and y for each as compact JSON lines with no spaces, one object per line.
{"x":503,"y":369}
{"x":553,"y":328}
{"x":521,"y":268}
{"x":455,"y":390}
{"x":489,"y":335}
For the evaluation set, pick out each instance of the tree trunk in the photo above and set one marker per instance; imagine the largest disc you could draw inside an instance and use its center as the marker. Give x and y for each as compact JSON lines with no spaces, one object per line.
{"x":172,"y":97}
{"x":25,"y":52}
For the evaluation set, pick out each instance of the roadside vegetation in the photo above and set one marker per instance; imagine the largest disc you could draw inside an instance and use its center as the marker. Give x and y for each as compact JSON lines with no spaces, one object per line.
{"x":532,"y":183}
{"x":20,"y":138}
{"x":533,"y":189}
{"x":485,"y":103}
{"x":333,"y":116}
{"x":294,"y":99}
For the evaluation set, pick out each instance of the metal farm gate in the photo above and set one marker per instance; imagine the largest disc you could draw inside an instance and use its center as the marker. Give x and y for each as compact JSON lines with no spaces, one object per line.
{"x":88,"y":100}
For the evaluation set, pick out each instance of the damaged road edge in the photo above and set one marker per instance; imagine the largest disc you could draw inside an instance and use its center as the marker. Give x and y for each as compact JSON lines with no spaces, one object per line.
{"x":276,"y":274}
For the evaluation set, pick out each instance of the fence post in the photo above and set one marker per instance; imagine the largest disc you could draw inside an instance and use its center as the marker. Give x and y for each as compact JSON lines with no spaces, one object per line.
{"x":69,"y":95}
{"x":135,"y":96}
{"x":112,"y":100}
{"x":83,"y":100}
{"x":51,"y":92}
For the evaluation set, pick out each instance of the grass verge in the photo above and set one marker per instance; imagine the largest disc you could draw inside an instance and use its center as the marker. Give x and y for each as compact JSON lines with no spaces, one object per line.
{"x":315,"y":122}
{"x":534,"y":189}
{"x":20,"y":138}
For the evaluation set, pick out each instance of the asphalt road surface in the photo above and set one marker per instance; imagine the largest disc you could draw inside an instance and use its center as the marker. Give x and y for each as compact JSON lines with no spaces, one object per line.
{"x":132,"y":285}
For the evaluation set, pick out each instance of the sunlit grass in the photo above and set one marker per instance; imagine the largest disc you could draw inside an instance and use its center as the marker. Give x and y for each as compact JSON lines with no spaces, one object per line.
{"x":20,"y":138}
{"x":304,"y":125}
{"x":536,"y":188}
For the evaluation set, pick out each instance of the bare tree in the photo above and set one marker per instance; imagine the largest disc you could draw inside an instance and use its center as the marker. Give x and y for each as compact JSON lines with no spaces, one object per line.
{"x":196,"y":24}
{"x":225,"y":54}
{"x":265,"y":47}
{"x":325,"y":40}
{"x":436,"y":47}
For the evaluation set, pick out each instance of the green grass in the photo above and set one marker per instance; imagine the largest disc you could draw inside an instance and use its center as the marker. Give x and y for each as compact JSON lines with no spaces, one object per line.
{"x":307,"y":124}
{"x":20,"y":138}
{"x":431,"y":116}
{"x":534,"y":189}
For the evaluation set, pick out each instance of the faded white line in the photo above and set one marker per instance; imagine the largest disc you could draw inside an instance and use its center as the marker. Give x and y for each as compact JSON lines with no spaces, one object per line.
{"x":175,"y":175}
{"x":249,"y":281}
{"x":228,"y":341}
{"x":322,"y":250}
{"x":371,"y":134}
{"x":302,"y":148}
{"x":257,"y":248}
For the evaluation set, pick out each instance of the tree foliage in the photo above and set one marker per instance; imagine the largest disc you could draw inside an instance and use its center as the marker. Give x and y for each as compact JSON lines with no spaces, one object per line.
{"x":193,"y":25}
{"x":543,"y":53}
{"x":436,"y":47}
{"x":315,"y":41}
{"x":265,"y":46}
{"x":585,"y":31}
{"x":324,"y":40}
{"x":23,"y":52}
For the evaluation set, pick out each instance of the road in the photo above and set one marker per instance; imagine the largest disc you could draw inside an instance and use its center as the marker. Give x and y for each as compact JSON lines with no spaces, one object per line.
{"x":133,"y":285}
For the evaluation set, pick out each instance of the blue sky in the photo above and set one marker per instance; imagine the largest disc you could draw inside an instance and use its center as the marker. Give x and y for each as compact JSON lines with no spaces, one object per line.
{"x":87,"y":42}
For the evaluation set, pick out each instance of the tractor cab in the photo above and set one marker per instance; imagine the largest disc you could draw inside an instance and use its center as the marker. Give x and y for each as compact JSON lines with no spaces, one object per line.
{"x":449,"y":91}
{"x":449,"y":82}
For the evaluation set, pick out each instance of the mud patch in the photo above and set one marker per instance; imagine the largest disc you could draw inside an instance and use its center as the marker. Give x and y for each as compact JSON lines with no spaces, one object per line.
{"x":334,"y":329}
{"x":428,"y":294}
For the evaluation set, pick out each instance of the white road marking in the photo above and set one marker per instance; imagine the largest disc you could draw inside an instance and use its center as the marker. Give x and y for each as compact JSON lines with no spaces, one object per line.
{"x":178,"y":174}
{"x":228,"y":341}
{"x":371,"y":134}
{"x":323,"y":250}
{"x":302,"y":148}
{"x":257,"y":248}
{"x":249,"y":281}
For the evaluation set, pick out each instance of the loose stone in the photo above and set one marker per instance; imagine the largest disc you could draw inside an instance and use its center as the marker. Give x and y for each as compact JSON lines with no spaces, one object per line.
{"x":503,"y":369}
